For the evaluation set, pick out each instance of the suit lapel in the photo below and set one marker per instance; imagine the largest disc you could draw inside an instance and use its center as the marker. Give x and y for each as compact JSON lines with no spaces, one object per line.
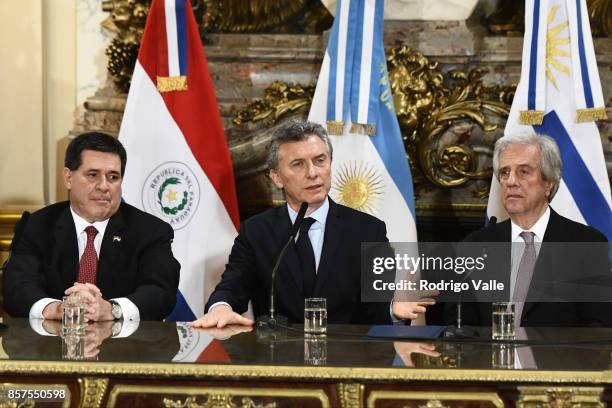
{"x":111,"y":252}
{"x":291,"y":260}
{"x":66,"y":248}
{"x":331,"y":240}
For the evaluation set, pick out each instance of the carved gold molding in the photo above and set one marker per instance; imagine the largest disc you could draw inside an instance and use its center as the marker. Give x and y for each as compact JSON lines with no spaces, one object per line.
{"x":99,"y":368}
{"x":214,"y":401}
{"x":509,"y":18}
{"x":216,"y":396}
{"x":428,"y":102}
{"x":560,"y":397}
{"x":351,"y":395}
{"x":92,"y":391}
{"x":434,"y":398}
{"x":280,"y":98}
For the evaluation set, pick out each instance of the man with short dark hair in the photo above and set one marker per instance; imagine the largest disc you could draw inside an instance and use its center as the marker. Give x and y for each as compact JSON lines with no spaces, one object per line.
{"x":116,"y":257}
{"x":325,"y":260}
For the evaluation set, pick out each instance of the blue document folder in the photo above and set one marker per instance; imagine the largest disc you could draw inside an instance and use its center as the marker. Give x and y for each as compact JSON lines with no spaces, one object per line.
{"x":406,"y":332}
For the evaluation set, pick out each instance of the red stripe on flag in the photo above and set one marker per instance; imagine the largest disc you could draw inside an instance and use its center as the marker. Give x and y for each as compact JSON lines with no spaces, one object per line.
{"x":195,"y":110}
{"x":214,"y":353}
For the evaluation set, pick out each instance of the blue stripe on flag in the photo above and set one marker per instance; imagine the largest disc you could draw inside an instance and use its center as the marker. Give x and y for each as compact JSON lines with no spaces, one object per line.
{"x":584,"y":68}
{"x":182,"y":312}
{"x":589,"y":198}
{"x":181,"y":35}
{"x":533,"y":60}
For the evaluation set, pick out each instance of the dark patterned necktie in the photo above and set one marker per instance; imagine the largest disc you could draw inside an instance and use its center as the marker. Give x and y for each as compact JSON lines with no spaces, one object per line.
{"x":524,"y":275}
{"x":307,"y":258}
{"x":88,"y":266}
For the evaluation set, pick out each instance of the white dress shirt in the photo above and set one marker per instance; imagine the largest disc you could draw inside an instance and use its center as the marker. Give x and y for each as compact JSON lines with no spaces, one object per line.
{"x":129,"y":309}
{"x":518,"y":244}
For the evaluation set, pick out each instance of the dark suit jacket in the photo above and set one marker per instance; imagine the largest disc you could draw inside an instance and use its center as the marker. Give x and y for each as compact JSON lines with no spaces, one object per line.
{"x":247,"y":275}
{"x":45,"y":261}
{"x":552,"y":314}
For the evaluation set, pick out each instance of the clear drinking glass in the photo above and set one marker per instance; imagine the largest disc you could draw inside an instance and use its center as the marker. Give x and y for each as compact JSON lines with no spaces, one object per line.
{"x":503,"y":321}
{"x":315,"y":315}
{"x":315,"y":349}
{"x":73,"y":346}
{"x":502,"y":355}
{"x":73,"y":315}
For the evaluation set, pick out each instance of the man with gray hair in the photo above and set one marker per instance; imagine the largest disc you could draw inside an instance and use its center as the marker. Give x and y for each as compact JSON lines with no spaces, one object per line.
{"x":324,"y":262}
{"x":528,"y":167}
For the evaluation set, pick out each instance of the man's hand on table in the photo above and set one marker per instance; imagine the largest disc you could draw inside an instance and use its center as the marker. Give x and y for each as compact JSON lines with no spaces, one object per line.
{"x":410,"y":310}
{"x":227,"y":331}
{"x":221,"y":316}
{"x":96,"y":307}
{"x":406,"y":349}
{"x":95,"y":334}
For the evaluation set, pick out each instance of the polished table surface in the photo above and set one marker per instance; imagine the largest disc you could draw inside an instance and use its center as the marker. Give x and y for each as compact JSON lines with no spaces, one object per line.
{"x":550,"y":349}
{"x":171,"y":365}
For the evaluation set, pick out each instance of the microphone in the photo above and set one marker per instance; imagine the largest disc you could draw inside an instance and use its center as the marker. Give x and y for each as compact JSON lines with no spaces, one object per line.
{"x":460,"y":331}
{"x":270,"y":321}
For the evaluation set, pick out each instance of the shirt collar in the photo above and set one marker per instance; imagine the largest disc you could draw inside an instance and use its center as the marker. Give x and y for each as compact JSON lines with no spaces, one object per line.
{"x":539,"y":228}
{"x":320,"y":215}
{"x":80,"y":223}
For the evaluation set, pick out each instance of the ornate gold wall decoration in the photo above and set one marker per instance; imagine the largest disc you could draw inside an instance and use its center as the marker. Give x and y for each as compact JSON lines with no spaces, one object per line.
{"x":215,"y":401}
{"x":428,"y":102}
{"x":560,"y":397}
{"x":509,"y":18}
{"x":351,"y":395}
{"x":265,"y":16}
{"x":128,"y":17}
{"x":92,"y":391}
{"x":433,"y":404}
{"x":600,"y":14}
{"x":280,"y":98}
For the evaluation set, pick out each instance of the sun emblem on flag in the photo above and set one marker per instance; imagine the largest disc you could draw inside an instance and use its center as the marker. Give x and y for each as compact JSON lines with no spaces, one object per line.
{"x":553,"y":42}
{"x":359,"y":186}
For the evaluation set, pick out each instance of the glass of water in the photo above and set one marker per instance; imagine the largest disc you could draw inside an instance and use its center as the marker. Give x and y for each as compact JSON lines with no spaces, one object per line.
{"x":73,"y":346}
{"x":73,"y":315}
{"x":315,"y":349}
{"x":503,"y":321}
{"x":315,"y":315}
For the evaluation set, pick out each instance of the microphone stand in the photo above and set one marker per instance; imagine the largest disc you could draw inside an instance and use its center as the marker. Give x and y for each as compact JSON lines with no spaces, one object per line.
{"x":459,"y":331}
{"x":271,"y":321}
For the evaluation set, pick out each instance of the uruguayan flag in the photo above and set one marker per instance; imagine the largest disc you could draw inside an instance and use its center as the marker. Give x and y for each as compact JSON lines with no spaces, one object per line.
{"x":559,"y":94}
{"x":353,"y":100}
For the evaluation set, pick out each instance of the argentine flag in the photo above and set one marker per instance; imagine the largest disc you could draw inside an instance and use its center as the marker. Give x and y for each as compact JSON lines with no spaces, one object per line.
{"x":179,"y":167}
{"x":353,"y":100}
{"x":559,"y":95}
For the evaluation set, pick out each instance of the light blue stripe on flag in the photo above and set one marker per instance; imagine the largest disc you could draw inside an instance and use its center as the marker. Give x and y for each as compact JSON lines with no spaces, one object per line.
{"x":181,"y":36}
{"x":357,"y":56}
{"x":332,"y":51}
{"x":388,"y":143}
{"x":587,"y":195}
{"x":378,"y":61}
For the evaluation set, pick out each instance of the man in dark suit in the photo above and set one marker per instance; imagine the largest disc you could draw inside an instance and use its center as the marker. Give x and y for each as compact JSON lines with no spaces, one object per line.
{"x":116,"y":257}
{"x":528,"y":168}
{"x":325,"y":263}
